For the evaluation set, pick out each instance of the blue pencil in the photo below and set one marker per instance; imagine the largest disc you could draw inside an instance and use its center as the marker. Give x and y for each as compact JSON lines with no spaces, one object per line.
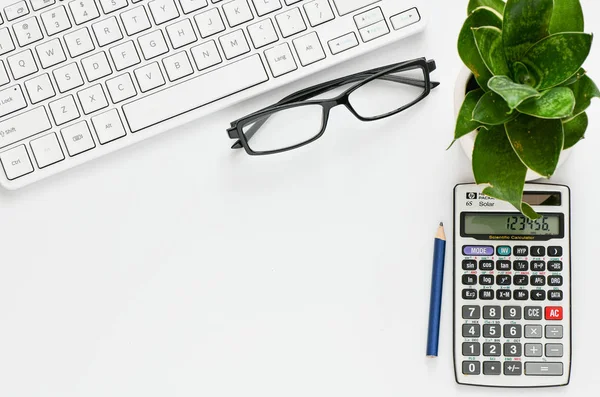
{"x":437,"y":281}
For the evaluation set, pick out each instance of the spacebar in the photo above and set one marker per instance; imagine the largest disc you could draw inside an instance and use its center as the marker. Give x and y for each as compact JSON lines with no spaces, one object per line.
{"x":192,"y":94}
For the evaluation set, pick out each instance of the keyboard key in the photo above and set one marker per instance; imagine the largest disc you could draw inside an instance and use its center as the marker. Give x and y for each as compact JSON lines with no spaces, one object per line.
{"x":309,"y":49}
{"x":39,"y":4}
{"x":374,"y":31}
{"x":234,"y":44}
{"x":92,"y":99}
{"x":79,"y":42}
{"x":405,"y":18}
{"x":343,"y":43}
{"x":492,"y":331}
{"x":83,"y":11}
{"x":555,"y":295}
{"x":22,"y":64}
{"x":533,"y":331}
{"x":178,"y":66}
{"x":209,"y":22}
{"x":478,"y":250}
{"x":46,"y":150}
{"x":492,"y":368}
{"x":554,"y":350}
{"x":206,"y":55}
{"x":469,"y":264}
{"x":472,"y":349}
{"x":290,"y":22}
{"x":39,"y":88}
{"x":538,"y":251}
{"x":512,"y":350}
{"x":538,"y":281}
{"x":280,"y":60}
{"x":486,"y":265}
{"x":237,"y":12}
{"x":512,"y":331}
{"x":503,"y":294}
{"x":471,"y":330}
{"x":23,"y":125}
{"x":492,"y":349}
{"x":318,"y":12}
{"x":166,"y":103}
{"x":503,"y":279}
{"x":27,"y":31}
{"x":77,"y":138}
{"x":554,"y":331}
{"x":538,"y":295}
{"x":533,"y":350}
{"x":491,"y":312}
{"x":50,"y":53}
{"x":262,"y":33}
{"x":512,"y":312}
{"x":521,"y":250}
{"x":521,"y":294}
{"x":96,"y":66}
{"x":554,"y":313}
{"x":533,"y":312}
{"x":555,"y":266}
{"x":149,"y":77}
{"x":11,"y":100}
{"x":109,"y":6}
{"x":471,"y":367}
{"x":16,"y":10}
{"x":107,"y":31}
{"x":64,"y":110}
{"x":347,"y":6}
{"x":543,"y":369}
{"x":153,"y":44}
{"x":16,"y":162}
{"x":264,"y":7}
{"x":192,"y":5}
{"x":471,"y":312}
{"x":181,"y":34}
{"x":68,"y":77}
{"x":163,"y":11}
{"x":521,"y":279}
{"x":135,"y":20}
{"x":520,"y":266}
{"x":369,"y":17}
{"x":503,"y":265}
{"x":512,"y":368}
{"x":538,"y":266}
{"x":56,"y":20}
{"x":486,"y":279}
{"x":555,"y":281}
{"x":124,"y":55}
{"x":486,"y":294}
{"x":555,"y":252}
{"x":4,"y":79}
{"x":108,"y":126}
{"x":469,"y":279}
{"x":121,"y":88}
{"x":469,"y":294}
{"x":6,"y":43}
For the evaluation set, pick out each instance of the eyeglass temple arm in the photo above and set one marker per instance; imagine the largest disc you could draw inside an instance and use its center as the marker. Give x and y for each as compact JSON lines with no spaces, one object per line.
{"x":319,"y":89}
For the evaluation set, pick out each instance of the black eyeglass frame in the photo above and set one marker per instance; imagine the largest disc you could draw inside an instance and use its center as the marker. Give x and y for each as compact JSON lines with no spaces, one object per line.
{"x":301,"y":97}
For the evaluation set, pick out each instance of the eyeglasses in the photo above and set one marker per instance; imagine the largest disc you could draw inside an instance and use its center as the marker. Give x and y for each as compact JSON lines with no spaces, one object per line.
{"x":296,"y":121}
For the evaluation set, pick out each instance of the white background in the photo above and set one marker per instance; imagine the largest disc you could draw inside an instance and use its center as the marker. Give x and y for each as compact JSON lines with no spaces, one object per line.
{"x":179,"y":267}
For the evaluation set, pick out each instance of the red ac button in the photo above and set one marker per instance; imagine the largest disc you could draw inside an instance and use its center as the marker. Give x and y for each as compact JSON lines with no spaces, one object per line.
{"x":554,"y":313}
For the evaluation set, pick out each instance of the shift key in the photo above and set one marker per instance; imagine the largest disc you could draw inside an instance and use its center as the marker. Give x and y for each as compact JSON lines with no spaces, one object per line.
{"x":11,"y":100}
{"x":23,"y":126}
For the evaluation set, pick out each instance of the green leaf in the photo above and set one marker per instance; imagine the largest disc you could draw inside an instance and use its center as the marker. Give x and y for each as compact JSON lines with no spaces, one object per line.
{"x":513,"y":93}
{"x":467,"y":49}
{"x":575,"y":129}
{"x":525,"y":23}
{"x":495,"y":163}
{"x":580,"y":73}
{"x":584,"y":90}
{"x":537,"y":142}
{"x":567,"y":16}
{"x":489,"y":43}
{"x":556,"y":103}
{"x":522,"y":75}
{"x":497,"y":5}
{"x":464,"y":121}
{"x":554,"y":59}
{"x":492,"y":110}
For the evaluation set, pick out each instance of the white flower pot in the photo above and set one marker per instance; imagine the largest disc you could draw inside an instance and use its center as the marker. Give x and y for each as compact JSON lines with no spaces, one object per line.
{"x":468,"y":141}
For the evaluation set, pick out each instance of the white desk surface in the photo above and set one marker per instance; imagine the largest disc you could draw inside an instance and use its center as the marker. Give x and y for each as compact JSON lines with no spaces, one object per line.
{"x":179,"y":267}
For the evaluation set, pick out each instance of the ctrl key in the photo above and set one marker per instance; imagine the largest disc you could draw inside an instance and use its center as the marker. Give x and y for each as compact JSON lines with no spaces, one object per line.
{"x":16,"y":162}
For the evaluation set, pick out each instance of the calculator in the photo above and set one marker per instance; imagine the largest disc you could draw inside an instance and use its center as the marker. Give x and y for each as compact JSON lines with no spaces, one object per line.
{"x":512,"y":288}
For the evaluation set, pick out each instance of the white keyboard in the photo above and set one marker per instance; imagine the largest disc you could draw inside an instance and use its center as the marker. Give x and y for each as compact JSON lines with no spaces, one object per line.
{"x":82,"y":78}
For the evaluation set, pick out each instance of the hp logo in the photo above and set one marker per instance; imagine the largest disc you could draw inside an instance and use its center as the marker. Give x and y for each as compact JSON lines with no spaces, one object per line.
{"x":471,"y":196}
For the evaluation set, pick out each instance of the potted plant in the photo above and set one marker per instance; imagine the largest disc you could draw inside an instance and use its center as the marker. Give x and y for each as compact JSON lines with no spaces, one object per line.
{"x":526,"y":104}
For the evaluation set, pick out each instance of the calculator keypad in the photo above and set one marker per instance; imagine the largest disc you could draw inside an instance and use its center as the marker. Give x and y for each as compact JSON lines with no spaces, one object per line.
{"x":513,"y":326}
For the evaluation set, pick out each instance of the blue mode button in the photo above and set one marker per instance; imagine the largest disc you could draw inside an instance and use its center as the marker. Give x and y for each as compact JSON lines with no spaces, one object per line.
{"x":503,"y":250}
{"x":478,"y":250}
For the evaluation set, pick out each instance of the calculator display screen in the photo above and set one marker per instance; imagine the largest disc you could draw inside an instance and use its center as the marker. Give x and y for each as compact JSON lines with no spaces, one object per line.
{"x":512,"y":224}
